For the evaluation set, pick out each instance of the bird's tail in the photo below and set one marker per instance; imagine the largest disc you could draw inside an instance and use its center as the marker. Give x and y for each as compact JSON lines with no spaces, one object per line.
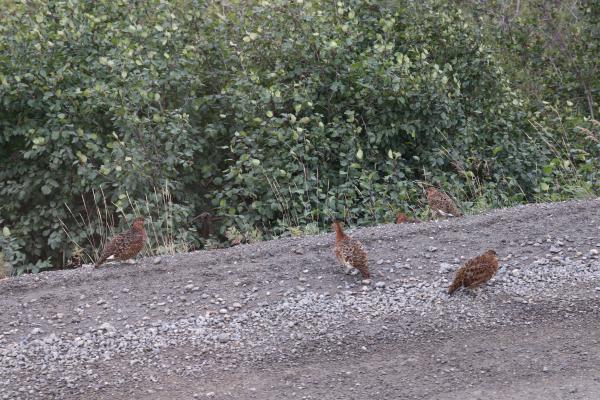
{"x":365,"y":273}
{"x":455,"y":285}
{"x":100,"y":262}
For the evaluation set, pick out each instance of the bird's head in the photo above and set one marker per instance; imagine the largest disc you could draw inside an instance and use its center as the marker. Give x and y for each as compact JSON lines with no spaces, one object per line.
{"x":337,"y":227}
{"x":335,"y":223}
{"x":491,"y":252}
{"x":138,"y":223}
{"x":430,"y":190}
{"x":401,"y":218}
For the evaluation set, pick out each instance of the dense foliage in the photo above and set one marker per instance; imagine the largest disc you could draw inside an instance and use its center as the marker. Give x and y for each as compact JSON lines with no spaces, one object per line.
{"x":272,"y":115}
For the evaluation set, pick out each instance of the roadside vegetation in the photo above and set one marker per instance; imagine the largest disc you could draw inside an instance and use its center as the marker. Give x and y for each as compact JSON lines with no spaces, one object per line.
{"x":238,"y":121}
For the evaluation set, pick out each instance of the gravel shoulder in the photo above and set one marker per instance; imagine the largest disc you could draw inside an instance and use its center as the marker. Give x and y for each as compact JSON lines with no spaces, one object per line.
{"x":280,"y":319}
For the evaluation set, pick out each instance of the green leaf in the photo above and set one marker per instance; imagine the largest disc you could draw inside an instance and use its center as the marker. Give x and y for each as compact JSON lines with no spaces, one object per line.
{"x":82,"y":157}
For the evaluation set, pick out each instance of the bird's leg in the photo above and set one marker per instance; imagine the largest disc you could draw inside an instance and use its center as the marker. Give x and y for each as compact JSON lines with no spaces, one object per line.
{"x":349,"y":269}
{"x":477,"y":293}
{"x":482,"y":293}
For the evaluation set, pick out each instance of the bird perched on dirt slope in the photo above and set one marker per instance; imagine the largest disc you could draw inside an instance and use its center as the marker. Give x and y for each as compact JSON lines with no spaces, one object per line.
{"x":125,"y":245}
{"x":350,"y":252}
{"x":476,"y":271}
{"x":441,"y":204}
{"x":402,"y":218}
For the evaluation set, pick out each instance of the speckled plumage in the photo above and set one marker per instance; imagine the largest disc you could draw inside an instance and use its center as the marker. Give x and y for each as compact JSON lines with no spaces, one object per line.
{"x":350,"y":252}
{"x":402,"y":218}
{"x":441,"y":204}
{"x":475,"y":271}
{"x":125,"y":245}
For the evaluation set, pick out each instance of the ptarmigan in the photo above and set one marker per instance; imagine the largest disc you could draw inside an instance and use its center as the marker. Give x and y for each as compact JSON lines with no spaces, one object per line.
{"x":125,"y":245}
{"x":475,"y":271}
{"x":350,"y":252}
{"x":441,"y":204}
{"x":402,"y":218}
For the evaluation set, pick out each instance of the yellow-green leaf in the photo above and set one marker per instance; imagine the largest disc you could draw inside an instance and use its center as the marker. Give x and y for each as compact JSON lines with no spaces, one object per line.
{"x":82,"y":157}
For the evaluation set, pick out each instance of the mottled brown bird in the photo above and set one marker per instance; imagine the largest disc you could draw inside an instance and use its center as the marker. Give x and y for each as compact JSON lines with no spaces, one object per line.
{"x":476,"y":271}
{"x":402,"y":218}
{"x":125,"y":245}
{"x":350,"y":252}
{"x":441,"y":204}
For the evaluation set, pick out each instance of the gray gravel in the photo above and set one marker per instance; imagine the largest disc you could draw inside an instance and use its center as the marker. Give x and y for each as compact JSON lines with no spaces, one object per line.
{"x":281,"y":319}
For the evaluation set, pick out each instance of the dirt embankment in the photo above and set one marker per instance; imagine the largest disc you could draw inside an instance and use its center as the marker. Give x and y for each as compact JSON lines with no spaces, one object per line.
{"x":280,"y":319}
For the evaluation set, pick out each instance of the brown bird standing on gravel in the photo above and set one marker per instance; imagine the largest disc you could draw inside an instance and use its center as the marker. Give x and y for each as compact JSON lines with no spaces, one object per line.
{"x":402,"y":218}
{"x":476,"y":271}
{"x":125,"y":245}
{"x":441,"y":204}
{"x":350,"y":252}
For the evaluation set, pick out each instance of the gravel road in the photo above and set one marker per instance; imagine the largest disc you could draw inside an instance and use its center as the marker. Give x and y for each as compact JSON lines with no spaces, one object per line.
{"x":281,"y":319}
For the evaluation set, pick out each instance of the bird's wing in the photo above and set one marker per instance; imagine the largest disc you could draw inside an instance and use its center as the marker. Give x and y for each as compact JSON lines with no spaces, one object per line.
{"x":478,"y":273}
{"x":115,"y":245}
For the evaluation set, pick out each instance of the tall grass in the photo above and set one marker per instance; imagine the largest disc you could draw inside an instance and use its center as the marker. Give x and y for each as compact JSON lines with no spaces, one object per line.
{"x":89,"y":231}
{"x":3,"y":267}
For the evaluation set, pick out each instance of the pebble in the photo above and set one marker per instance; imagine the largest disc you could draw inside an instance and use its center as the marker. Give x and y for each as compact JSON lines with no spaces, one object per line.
{"x":445,"y":268}
{"x":156,"y":260}
{"x":223,"y":338}
{"x":106,"y":327}
{"x":263,"y":326}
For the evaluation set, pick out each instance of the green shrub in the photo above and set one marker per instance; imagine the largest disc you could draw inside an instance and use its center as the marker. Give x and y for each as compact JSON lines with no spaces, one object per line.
{"x":93,"y":95}
{"x":272,"y":115}
{"x":341,"y":110}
